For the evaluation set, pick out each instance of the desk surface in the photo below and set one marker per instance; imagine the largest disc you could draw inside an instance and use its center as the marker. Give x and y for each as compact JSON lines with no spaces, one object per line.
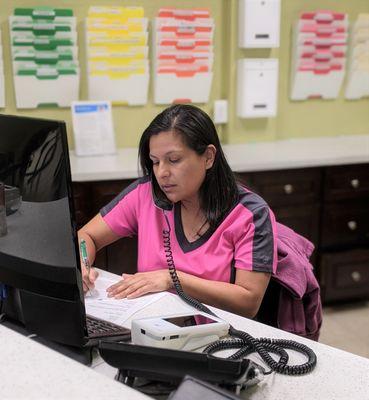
{"x":245,"y":157}
{"x":29,"y":370}
{"x":338,"y":374}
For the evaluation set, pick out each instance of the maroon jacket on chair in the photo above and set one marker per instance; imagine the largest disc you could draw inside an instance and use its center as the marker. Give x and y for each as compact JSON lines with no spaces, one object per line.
{"x":299,"y":308}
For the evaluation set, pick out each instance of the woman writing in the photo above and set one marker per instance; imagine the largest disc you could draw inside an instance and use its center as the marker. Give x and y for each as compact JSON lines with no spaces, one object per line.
{"x":222,"y":235}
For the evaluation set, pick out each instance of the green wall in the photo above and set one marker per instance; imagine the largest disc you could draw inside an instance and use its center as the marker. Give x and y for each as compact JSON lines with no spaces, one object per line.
{"x":294,"y":119}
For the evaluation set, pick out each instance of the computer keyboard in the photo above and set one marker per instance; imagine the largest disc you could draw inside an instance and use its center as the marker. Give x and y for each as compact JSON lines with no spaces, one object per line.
{"x":98,"y":328}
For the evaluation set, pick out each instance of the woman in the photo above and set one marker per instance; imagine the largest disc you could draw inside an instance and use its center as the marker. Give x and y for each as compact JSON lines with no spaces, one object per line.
{"x":222,"y":235}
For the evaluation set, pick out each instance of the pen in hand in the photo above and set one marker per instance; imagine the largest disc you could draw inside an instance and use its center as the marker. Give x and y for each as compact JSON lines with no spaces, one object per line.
{"x":85,"y":260}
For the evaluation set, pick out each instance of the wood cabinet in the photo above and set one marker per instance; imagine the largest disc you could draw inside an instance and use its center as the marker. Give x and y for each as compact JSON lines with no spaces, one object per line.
{"x":345,"y":274}
{"x":344,"y":241}
{"x":327,"y":205}
{"x":293,"y":195}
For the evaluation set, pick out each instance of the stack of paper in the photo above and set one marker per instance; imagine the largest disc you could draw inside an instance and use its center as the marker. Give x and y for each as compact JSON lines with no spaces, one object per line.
{"x":358,"y":67}
{"x":117,"y":55}
{"x":319,"y":55}
{"x":44,"y":55}
{"x":183,"y":55}
{"x":2,"y":81}
{"x":99,"y":305}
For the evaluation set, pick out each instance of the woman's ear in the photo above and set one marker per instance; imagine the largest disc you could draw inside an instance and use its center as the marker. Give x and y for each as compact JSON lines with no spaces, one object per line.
{"x":210,"y":156}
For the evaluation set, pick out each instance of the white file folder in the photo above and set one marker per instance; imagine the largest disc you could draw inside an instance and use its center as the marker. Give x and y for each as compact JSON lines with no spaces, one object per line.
{"x":357,"y":82}
{"x":319,"y":54}
{"x":357,"y":85}
{"x":182,"y":86}
{"x":132,"y":90}
{"x":186,"y":14}
{"x":185,"y":28}
{"x":183,"y":55}
{"x":49,"y":86}
{"x":121,"y":84}
{"x":114,"y":12}
{"x":117,"y":55}
{"x":44,"y":57}
{"x":43,"y":13}
{"x":316,"y":80}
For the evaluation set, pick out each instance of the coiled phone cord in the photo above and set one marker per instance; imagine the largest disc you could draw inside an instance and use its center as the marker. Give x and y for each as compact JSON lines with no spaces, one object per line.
{"x":246,"y":343}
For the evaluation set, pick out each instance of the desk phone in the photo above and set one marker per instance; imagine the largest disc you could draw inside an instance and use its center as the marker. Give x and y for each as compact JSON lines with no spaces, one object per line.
{"x":187,"y":331}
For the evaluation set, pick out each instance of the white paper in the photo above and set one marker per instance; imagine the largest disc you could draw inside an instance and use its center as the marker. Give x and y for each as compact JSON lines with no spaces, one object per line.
{"x":93,"y":128}
{"x":99,"y":305}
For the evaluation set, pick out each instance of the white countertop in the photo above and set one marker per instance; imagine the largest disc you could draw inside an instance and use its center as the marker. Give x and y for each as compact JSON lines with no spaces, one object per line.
{"x":29,"y":370}
{"x":339,"y":375}
{"x":261,"y":156}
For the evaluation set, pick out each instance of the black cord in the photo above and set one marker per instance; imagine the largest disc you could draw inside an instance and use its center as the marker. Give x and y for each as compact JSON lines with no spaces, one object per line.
{"x":246,"y":343}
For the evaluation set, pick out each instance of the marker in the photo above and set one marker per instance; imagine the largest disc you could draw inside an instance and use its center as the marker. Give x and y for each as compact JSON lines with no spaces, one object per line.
{"x":85,"y":261}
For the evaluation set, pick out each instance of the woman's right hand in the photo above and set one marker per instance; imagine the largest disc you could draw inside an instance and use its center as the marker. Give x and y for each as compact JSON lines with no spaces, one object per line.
{"x":89,"y":279}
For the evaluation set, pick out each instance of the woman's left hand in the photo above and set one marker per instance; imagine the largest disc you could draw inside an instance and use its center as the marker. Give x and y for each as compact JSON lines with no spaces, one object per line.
{"x":136,"y":285}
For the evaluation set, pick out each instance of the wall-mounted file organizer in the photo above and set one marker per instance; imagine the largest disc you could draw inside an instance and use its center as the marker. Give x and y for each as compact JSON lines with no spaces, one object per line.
{"x":183,"y":55}
{"x":44,"y":57}
{"x":2,"y":80}
{"x":117,"y":55}
{"x":258,"y":23}
{"x":357,"y":82}
{"x":257,"y":88}
{"x":318,"y":55}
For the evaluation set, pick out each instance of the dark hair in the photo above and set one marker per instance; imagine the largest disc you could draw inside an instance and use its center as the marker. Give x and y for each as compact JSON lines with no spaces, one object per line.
{"x":218,"y":193}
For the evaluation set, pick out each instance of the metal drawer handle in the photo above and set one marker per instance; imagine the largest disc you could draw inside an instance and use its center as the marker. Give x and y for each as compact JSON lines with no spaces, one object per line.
{"x":288,"y":189}
{"x":352,"y":225}
{"x":356,"y":276}
{"x":355,"y":183}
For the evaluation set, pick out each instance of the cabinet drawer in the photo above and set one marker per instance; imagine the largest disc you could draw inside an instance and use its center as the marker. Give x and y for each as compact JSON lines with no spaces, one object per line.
{"x":302,"y":219}
{"x":82,"y":206}
{"x":345,"y":223}
{"x":284,"y":187}
{"x":347,"y":182}
{"x":345,"y":275}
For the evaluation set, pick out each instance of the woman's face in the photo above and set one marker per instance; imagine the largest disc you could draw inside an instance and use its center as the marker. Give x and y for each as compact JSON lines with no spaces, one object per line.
{"x":178,"y":169}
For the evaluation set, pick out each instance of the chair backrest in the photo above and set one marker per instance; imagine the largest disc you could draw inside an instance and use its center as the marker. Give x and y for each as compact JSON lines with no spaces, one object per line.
{"x":292,"y":300}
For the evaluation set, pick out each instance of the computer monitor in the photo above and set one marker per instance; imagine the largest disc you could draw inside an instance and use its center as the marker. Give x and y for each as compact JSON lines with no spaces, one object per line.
{"x":39,"y":255}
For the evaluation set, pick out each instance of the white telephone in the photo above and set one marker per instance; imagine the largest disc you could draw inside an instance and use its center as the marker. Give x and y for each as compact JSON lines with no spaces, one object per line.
{"x":179,"y":331}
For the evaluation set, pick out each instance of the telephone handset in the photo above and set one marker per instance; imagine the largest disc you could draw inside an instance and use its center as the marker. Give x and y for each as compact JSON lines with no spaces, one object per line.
{"x":243,"y":341}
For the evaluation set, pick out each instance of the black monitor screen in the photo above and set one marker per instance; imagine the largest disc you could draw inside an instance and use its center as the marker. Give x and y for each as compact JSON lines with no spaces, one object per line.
{"x":39,"y":258}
